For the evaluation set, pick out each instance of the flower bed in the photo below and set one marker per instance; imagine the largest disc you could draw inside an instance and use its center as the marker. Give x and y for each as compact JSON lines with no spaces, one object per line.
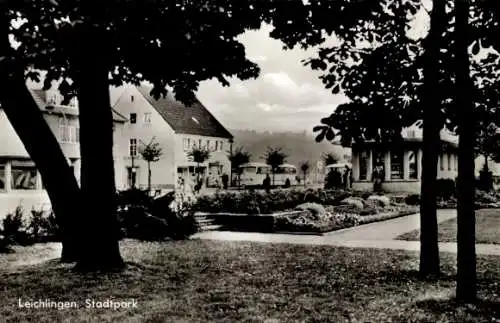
{"x":308,"y":218}
{"x":251,"y":202}
{"x":327,"y":222}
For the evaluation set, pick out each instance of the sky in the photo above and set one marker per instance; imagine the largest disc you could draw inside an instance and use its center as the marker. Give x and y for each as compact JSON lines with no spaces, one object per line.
{"x":287,"y":96}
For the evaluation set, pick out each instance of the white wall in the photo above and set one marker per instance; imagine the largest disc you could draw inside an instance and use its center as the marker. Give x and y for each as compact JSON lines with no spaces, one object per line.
{"x":219,"y":155}
{"x":163,"y":171}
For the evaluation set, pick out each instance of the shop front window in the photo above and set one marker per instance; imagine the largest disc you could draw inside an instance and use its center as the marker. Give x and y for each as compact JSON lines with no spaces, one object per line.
{"x":23,"y":178}
{"x":363,"y":161}
{"x":413,"y":165}
{"x":396,"y":164}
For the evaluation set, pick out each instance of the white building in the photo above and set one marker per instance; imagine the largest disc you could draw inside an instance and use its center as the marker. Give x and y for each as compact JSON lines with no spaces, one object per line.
{"x":20,"y":181}
{"x":177,"y":128}
{"x":401,"y":163}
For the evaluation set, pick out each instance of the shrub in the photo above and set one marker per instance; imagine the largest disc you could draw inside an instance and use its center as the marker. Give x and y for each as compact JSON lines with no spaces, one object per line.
{"x":15,"y":229}
{"x":265,"y":203}
{"x":314,"y":208}
{"x":333,"y":180}
{"x":346,"y":208}
{"x":485,"y":182}
{"x":485,"y":197}
{"x":368,"y":211}
{"x":145,"y":218}
{"x":445,"y":188}
{"x":413,"y":199}
{"x":4,"y":245}
{"x":43,"y":226}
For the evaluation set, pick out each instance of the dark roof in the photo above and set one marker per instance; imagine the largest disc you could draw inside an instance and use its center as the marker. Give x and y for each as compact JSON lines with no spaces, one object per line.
{"x":39,"y":97}
{"x":192,"y":120}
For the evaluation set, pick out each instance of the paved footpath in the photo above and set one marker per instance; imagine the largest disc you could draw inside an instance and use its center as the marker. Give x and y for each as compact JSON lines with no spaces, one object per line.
{"x":379,"y":235}
{"x":390,"y":229}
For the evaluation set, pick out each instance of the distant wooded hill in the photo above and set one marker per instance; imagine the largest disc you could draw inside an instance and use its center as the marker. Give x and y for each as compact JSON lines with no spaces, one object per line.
{"x":298,"y":146}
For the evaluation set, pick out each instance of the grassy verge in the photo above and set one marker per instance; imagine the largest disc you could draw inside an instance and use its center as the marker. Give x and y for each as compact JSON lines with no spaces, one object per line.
{"x":205,"y":281}
{"x":487,"y":229}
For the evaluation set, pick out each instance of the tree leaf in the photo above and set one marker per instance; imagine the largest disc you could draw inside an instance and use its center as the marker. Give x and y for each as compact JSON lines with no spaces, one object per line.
{"x":320,"y":136}
{"x":330,"y":135}
{"x":318,"y":128}
{"x":476,"y":48}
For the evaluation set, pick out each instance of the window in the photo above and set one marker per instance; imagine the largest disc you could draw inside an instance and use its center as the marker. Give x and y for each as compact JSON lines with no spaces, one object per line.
{"x":397,"y":164}
{"x":77,"y":134}
{"x":133,"y":118}
{"x":186,"y":143}
{"x":52,"y":99}
{"x":133,"y":147}
{"x":220,"y":146}
{"x":199,"y":143}
{"x":363,"y":161}
{"x":252,"y":170}
{"x":147,"y":118}
{"x":216,"y":145}
{"x":413,"y":164}
{"x":208,"y":145}
{"x":131,"y":98}
{"x":68,"y":133}
{"x":24,"y":177}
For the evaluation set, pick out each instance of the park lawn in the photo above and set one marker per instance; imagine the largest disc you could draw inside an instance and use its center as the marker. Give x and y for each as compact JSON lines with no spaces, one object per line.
{"x":487,"y":229}
{"x":207,"y":281}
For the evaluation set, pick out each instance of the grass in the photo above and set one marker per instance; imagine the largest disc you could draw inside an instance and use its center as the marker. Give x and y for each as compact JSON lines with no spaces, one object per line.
{"x":206,"y":281}
{"x":487,"y":229}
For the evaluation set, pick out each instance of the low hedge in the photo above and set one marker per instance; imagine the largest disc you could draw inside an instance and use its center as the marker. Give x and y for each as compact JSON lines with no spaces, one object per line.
{"x":252,"y":202}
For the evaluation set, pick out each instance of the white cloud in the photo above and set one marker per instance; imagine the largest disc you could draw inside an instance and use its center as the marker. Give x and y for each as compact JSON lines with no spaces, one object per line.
{"x":287,"y":96}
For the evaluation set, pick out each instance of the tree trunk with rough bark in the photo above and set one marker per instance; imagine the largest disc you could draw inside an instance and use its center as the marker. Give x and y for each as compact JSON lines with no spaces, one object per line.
{"x":431,"y":100}
{"x":466,"y":255}
{"x":100,"y":248}
{"x":40,"y":143}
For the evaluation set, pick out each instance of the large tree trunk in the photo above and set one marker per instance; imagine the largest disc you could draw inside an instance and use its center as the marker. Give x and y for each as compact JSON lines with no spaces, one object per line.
{"x":466,"y":256}
{"x":100,"y":250}
{"x":431,"y":100}
{"x":41,"y":144}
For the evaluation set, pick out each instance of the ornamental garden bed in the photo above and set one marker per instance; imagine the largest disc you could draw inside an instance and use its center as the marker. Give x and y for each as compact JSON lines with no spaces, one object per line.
{"x":287,"y":212}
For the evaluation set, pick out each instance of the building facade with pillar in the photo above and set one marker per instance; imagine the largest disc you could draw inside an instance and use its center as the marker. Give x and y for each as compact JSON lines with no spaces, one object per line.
{"x":20,"y":181}
{"x":399,"y":165}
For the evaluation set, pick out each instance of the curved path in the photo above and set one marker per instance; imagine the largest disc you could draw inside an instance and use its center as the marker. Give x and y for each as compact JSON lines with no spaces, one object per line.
{"x":379,"y":235}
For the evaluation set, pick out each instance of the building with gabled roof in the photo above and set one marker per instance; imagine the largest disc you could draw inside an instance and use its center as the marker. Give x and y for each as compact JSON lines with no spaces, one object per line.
{"x":177,"y":129}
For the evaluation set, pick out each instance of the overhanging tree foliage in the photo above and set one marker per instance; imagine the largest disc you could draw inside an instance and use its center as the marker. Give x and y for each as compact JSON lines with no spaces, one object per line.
{"x":26,"y":118}
{"x":96,"y":44}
